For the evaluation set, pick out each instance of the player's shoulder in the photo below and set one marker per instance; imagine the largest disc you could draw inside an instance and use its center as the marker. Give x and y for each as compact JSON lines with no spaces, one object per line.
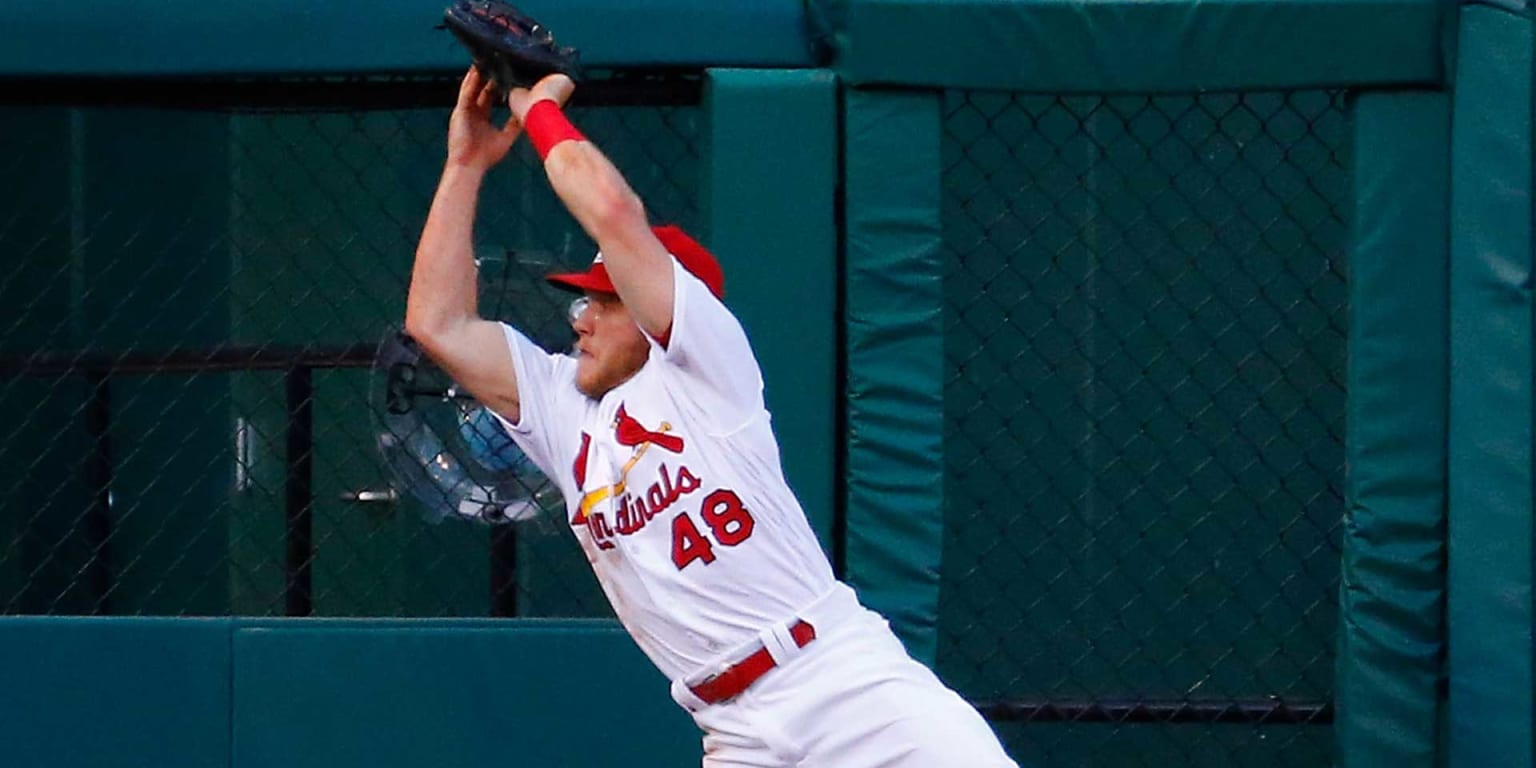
{"x":662,"y":381}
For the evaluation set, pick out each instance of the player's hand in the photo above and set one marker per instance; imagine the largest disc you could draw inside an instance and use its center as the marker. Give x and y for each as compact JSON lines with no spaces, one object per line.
{"x":557,"y":88}
{"x":473,"y":141}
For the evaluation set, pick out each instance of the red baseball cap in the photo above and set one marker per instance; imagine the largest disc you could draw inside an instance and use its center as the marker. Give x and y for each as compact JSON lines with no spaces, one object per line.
{"x":694,"y":257}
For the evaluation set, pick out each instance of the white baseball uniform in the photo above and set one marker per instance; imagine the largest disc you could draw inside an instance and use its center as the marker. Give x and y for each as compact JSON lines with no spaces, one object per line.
{"x":674,"y":489}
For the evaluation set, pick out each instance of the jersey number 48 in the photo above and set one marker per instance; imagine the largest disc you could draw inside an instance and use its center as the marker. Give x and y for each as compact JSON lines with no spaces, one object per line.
{"x":728,"y":520}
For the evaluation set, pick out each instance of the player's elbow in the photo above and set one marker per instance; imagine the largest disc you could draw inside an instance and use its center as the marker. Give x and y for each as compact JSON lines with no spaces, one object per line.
{"x":616,"y":209}
{"x":417,"y":326}
{"x":430,"y":329}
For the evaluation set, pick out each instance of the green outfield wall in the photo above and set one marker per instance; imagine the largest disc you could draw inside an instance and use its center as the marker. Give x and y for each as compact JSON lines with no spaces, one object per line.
{"x":1160,"y":370}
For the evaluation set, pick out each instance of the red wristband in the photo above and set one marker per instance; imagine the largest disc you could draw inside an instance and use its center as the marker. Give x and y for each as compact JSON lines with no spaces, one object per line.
{"x":546,"y":126}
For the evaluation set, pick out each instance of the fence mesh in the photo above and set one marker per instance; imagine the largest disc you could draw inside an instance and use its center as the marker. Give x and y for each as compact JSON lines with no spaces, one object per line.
{"x":198,"y":294}
{"x":1145,"y":319}
{"x":1145,"y":340}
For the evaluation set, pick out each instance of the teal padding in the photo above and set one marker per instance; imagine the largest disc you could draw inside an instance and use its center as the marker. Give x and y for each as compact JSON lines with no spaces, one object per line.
{"x":1135,"y":45}
{"x":452,"y":698}
{"x":895,"y":352}
{"x":771,"y":176}
{"x":467,"y":623}
{"x":1490,"y":525}
{"x":185,"y":37}
{"x":1392,"y":597}
{"x":92,"y":692}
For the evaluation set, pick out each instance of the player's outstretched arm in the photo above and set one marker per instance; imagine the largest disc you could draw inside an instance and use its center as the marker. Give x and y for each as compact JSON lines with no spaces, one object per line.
{"x":603,"y":203}
{"x":441,"y":309}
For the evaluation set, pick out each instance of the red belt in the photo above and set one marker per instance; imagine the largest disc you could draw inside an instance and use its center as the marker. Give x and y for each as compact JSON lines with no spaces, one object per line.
{"x":739,"y":676}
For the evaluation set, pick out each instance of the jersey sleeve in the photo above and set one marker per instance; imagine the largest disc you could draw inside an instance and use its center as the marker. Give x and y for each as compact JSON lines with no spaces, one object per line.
{"x":708,"y":349}
{"x":544,"y":382}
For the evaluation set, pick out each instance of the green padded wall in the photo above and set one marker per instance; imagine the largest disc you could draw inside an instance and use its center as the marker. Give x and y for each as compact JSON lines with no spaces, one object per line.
{"x":90,"y":693}
{"x":772,"y":149}
{"x":1392,"y":597}
{"x":181,"y":37}
{"x":893,"y":299}
{"x":1133,"y":46}
{"x":447,"y":696}
{"x":206,"y":693}
{"x":1490,"y":454}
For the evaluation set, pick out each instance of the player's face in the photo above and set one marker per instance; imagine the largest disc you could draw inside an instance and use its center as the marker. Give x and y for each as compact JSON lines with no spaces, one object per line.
{"x":610,"y":347}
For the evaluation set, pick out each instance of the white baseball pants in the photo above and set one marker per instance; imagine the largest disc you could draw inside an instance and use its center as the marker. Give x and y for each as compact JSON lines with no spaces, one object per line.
{"x":852,"y":698}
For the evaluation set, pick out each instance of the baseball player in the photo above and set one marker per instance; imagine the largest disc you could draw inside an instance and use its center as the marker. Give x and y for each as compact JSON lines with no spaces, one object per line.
{"x":655,"y":430}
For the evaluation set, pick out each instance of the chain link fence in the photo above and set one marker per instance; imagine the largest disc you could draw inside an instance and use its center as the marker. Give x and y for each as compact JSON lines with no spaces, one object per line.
{"x":200,"y":278}
{"x":1145,"y":323}
{"x":1145,"y":334}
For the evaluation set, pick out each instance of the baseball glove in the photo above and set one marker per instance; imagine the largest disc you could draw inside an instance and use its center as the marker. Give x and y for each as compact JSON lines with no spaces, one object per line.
{"x":509,"y":47}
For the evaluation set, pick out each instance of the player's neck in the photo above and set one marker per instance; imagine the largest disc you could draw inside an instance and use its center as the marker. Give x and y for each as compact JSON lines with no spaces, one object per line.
{"x":625,"y":379}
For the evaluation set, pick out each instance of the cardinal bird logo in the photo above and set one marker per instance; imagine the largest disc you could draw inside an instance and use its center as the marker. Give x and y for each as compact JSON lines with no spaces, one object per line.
{"x":631,"y":433}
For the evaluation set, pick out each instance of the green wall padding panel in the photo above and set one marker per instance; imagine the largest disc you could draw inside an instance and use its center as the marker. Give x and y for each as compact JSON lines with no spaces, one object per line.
{"x":895,"y":355}
{"x":92,"y":693}
{"x":181,"y":37}
{"x":1134,"y":45}
{"x":773,"y":164}
{"x":337,"y":695}
{"x":1392,"y":597}
{"x":1490,"y":525}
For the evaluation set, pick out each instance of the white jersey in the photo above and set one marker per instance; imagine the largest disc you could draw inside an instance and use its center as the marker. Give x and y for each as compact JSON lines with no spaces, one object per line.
{"x":673,"y":486}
